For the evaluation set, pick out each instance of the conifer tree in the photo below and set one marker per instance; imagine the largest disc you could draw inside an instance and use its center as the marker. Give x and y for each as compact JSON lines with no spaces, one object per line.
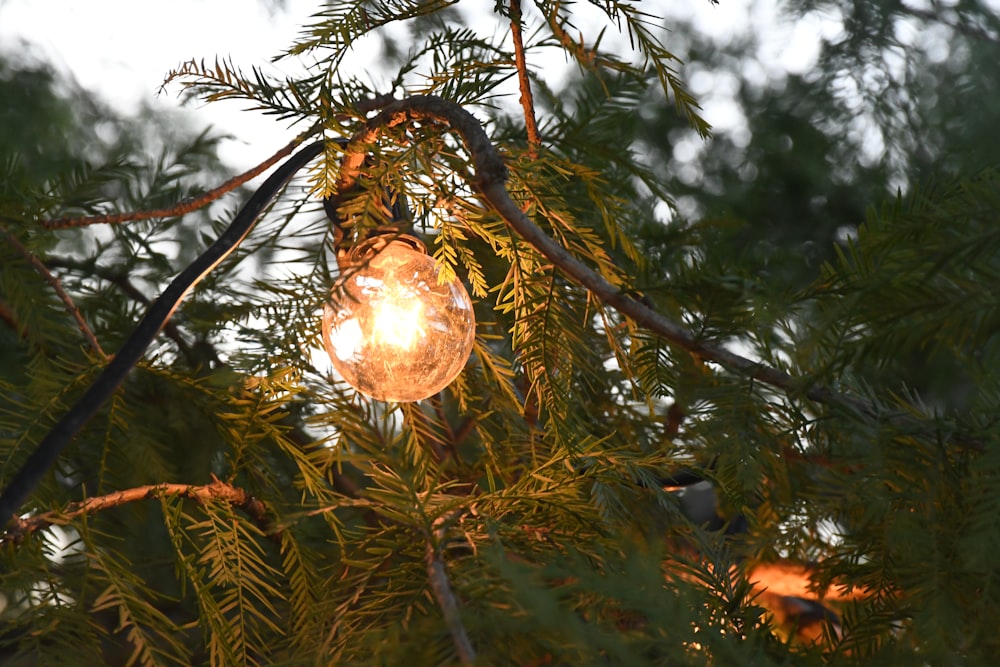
{"x":654,"y":455}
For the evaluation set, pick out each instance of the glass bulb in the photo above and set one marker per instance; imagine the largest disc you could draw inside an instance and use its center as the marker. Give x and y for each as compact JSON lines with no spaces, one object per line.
{"x":392,"y":330}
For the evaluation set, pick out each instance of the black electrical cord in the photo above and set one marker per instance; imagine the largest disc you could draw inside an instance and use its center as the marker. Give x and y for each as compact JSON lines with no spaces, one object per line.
{"x":48,"y":450}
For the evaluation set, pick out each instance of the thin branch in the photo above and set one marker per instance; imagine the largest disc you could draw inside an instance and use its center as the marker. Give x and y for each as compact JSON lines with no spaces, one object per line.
{"x":58,"y":288}
{"x":188,"y":205}
{"x":465,"y":428}
{"x":20,"y":528}
{"x":443,"y":593}
{"x":195,"y":203}
{"x":527,"y":101}
{"x":489,"y":179}
{"x":674,"y":420}
{"x":121,"y":281}
{"x":8,"y":318}
{"x":586,"y":57}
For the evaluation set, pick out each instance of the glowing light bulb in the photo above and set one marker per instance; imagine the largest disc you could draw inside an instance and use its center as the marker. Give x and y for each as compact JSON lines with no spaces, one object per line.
{"x":392,"y":330}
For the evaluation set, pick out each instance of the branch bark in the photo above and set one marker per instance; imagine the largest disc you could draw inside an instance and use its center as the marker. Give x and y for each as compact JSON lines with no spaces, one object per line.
{"x":58,"y":288}
{"x":20,"y":528}
{"x":7,"y":316}
{"x":443,"y":593}
{"x":188,"y":205}
{"x":527,"y":100}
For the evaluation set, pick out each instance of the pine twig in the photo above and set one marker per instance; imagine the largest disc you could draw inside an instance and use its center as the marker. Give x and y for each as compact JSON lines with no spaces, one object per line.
{"x":20,"y":528}
{"x":188,"y":205}
{"x":121,"y":281}
{"x":527,"y":101}
{"x":434,"y":444}
{"x":586,"y":57}
{"x":58,"y":288}
{"x":464,"y":429}
{"x":443,"y":593}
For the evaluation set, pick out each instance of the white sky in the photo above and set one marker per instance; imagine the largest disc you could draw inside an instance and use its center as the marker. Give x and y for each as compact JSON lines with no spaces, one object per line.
{"x":123,"y":48}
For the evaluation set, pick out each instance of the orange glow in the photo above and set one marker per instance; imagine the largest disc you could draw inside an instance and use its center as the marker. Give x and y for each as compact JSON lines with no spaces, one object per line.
{"x":393,"y":330}
{"x":785,"y":578}
{"x":399,"y":324}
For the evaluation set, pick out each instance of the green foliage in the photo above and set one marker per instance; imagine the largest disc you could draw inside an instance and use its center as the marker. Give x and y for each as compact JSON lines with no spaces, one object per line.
{"x":539,"y":481}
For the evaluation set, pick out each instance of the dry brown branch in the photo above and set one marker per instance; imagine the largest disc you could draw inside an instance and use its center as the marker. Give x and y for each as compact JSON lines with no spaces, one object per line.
{"x":188,"y":205}
{"x":444,"y":595}
{"x":19,"y":528}
{"x":465,"y":428}
{"x":586,"y":57}
{"x":527,"y":101}
{"x":58,"y":288}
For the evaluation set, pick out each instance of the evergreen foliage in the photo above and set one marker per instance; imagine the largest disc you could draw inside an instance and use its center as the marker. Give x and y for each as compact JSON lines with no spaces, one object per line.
{"x":235,"y":503}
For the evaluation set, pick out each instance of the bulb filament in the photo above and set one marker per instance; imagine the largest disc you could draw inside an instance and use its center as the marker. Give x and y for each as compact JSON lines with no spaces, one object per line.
{"x":398,"y":323}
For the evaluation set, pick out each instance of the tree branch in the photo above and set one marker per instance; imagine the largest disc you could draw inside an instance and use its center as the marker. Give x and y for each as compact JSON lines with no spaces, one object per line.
{"x":449,"y":432}
{"x":57,"y":286}
{"x":490,"y":176}
{"x":444,"y":595}
{"x":188,"y":205}
{"x":464,"y":429}
{"x":489,"y":179}
{"x":20,"y":528}
{"x":527,"y":101}
{"x":586,"y":57}
{"x":121,"y":281}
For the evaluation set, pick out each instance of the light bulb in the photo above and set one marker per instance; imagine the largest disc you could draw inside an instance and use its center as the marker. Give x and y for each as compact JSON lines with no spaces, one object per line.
{"x":392,"y":330}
